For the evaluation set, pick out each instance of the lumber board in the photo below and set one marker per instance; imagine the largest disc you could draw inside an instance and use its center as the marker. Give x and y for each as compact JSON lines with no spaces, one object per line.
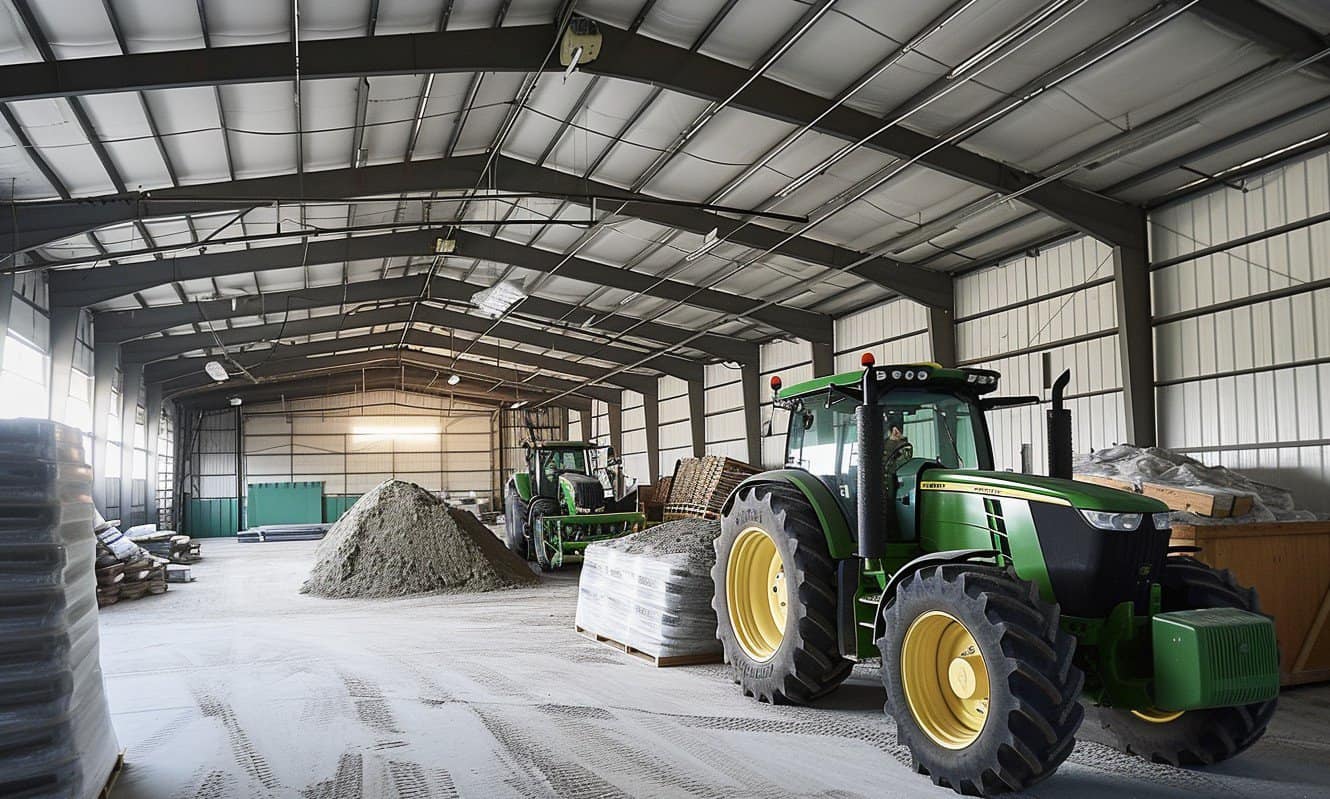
{"x":1212,"y":502}
{"x":647,"y":657}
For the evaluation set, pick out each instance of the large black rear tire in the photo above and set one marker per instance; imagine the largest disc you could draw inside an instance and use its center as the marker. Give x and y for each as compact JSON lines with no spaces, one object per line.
{"x":1197,"y":737}
{"x":783,"y":648}
{"x":514,"y":522}
{"x":980,"y":679}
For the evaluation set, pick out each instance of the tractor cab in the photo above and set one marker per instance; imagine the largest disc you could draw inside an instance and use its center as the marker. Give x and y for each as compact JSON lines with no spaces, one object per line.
{"x":929,"y":417}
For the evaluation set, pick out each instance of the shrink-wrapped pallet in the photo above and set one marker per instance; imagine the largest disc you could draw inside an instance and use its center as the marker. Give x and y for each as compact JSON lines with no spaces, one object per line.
{"x":55,"y":729}
{"x":650,"y":592}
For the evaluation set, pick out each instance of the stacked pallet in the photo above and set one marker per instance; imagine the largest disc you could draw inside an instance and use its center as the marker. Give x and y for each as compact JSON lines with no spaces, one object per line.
{"x":56,"y":737}
{"x":653,"y":499}
{"x":166,"y":544}
{"x":700,"y":486}
{"x":124,"y":569}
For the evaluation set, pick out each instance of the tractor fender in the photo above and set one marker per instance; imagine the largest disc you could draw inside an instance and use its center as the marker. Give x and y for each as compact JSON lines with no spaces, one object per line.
{"x":840,"y":540}
{"x":923,"y":562}
{"x":522,"y":482}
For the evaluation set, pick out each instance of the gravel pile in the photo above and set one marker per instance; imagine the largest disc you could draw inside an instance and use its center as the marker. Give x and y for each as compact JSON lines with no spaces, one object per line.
{"x":399,"y":539}
{"x":683,"y":542}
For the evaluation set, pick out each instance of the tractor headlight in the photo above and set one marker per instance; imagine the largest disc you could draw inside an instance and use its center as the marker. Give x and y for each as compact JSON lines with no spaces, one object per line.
{"x":909,"y":375}
{"x":896,"y":374}
{"x":1162,"y":521}
{"x":1107,"y":520}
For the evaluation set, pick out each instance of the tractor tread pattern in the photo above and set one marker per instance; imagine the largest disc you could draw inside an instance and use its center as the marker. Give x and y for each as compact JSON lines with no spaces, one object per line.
{"x":1044,"y":685}
{"x":816,"y":667}
{"x":1208,"y":736}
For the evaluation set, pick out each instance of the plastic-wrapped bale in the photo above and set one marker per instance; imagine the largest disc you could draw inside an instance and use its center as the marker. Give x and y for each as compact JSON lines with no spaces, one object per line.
{"x":650,"y":593}
{"x":55,"y":730}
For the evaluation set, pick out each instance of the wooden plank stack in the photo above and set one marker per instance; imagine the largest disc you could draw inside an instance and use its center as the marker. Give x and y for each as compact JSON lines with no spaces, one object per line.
{"x":1200,"y":500}
{"x":700,"y":486}
{"x":1288,"y":563}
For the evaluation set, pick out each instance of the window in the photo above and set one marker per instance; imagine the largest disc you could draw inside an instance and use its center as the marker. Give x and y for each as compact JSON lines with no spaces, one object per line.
{"x":23,"y":380}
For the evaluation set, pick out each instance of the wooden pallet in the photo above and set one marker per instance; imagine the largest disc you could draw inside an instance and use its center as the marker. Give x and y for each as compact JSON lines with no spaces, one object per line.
{"x":700,"y":486}
{"x":647,"y":657}
{"x":113,"y":776}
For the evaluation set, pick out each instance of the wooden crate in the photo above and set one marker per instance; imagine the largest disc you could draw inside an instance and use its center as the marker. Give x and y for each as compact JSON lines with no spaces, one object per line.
{"x":1211,"y":502}
{"x":1288,"y":563}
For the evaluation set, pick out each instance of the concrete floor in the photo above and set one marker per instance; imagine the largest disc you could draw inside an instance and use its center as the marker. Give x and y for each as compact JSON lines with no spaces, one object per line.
{"x":236,"y":685}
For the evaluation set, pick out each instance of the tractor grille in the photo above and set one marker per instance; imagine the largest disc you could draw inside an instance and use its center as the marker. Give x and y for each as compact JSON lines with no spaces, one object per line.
{"x":1092,"y":570}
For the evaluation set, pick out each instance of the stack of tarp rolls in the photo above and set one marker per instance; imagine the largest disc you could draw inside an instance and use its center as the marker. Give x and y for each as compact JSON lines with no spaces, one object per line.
{"x":55,"y":730}
{"x":650,"y":592}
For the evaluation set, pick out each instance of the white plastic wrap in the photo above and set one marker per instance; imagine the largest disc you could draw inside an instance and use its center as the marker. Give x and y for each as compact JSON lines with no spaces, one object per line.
{"x":652,"y":590}
{"x":1159,"y":465}
{"x":56,"y":738}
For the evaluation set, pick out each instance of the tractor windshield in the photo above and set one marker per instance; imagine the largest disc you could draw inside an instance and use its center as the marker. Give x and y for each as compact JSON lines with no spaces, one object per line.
{"x":945,"y":428}
{"x":555,"y":461}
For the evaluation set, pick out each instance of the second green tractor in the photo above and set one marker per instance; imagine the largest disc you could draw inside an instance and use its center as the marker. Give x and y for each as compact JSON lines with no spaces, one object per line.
{"x":1005,"y":607}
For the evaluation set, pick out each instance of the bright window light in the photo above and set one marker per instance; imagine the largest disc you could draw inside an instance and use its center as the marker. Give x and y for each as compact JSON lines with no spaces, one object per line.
{"x":369,"y":432}
{"x":23,"y":380}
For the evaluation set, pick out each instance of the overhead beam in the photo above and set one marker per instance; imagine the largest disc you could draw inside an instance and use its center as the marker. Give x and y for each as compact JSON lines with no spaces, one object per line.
{"x":82,"y":287}
{"x":1267,"y":27}
{"x":421,"y":381}
{"x":297,"y":360}
{"x":167,"y":350}
{"x":130,"y":324}
{"x":623,"y":55}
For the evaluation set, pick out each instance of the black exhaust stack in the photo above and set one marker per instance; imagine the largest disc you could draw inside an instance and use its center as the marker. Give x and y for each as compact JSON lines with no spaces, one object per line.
{"x":868,"y":418}
{"x":1059,"y":431}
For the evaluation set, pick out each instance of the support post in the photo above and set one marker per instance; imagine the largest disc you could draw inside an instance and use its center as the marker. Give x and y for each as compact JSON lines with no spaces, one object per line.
{"x":64,"y":338}
{"x":697,"y":416}
{"x":750,"y":376}
{"x":104,"y":357}
{"x":651,"y":421}
{"x":152,"y":404}
{"x":824,"y":359}
{"x":614,"y":411}
{"x":6,"y":302}
{"x":129,"y":405}
{"x":1131,"y":281}
{"x":942,"y":336}
{"x":584,"y":417}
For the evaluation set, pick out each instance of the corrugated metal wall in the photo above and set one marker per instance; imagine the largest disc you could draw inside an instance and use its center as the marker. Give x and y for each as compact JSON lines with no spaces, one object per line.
{"x":1059,"y":303}
{"x":676,"y":436}
{"x":1249,"y":386}
{"x":793,"y":361}
{"x":353,"y":442}
{"x":635,"y":438}
{"x":895,"y":332}
{"x":724,"y":402}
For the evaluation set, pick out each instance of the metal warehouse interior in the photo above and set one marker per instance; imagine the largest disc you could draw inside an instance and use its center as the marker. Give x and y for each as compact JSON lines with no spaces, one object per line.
{"x":260,"y":255}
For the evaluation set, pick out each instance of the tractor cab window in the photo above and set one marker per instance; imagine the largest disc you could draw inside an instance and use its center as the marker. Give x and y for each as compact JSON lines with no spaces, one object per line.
{"x":940,"y":427}
{"x":553,"y":462}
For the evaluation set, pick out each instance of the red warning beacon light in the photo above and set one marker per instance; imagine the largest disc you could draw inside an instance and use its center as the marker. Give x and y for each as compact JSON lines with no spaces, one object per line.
{"x":866,"y":360}
{"x":775,"y":383}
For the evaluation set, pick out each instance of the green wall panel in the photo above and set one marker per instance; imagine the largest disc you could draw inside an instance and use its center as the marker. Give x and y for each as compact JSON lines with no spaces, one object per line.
{"x":284,"y":503}
{"x":212,"y":518}
{"x":334,"y":505}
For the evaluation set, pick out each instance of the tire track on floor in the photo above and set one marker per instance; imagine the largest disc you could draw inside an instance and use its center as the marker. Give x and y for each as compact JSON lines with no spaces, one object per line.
{"x":560,"y":777}
{"x":347,"y":783}
{"x":242,"y":749}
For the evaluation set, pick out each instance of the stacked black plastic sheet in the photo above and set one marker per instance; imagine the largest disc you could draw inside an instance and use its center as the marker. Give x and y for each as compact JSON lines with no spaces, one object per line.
{"x":56,"y":738}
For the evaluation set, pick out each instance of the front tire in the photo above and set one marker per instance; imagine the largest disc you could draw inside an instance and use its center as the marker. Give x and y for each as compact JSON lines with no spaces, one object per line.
{"x":1196,"y":737}
{"x":540,"y":507}
{"x":775,"y":597}
{"x":980,"y":679}
{"x":514,"y":523}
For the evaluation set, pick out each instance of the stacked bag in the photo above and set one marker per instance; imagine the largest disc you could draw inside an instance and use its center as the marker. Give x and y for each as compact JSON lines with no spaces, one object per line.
{"x":56,"y":738}
{"x":651,"y":591}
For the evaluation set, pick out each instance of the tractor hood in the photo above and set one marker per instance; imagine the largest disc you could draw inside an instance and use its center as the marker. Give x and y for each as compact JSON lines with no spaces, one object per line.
{"x":1036,"y":488}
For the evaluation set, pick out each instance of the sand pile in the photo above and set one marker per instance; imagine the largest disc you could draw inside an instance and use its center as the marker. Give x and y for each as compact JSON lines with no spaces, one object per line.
{"x":399,"y":539}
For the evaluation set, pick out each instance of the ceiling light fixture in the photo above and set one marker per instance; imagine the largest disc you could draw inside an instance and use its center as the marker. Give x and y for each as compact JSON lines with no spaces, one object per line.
{"x":454,"y":380}
{"x":518,"y":404}
{"x":709,"y":243}
{"x":495,"y":301}
{"x":216,"y":371}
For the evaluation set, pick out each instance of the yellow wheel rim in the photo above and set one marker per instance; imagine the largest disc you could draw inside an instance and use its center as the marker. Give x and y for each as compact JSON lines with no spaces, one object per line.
{"x":945,"y":679}
{"x":756,"y":593}
{"x":1157,"y":716}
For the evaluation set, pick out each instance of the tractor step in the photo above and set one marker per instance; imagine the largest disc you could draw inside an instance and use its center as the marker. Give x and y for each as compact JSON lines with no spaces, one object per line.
{"x":868,"y":599}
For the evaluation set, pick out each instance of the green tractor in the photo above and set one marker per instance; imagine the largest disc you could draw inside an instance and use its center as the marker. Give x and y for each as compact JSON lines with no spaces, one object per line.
{"x":1005,"y":607}
{"x":564,"y":501}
